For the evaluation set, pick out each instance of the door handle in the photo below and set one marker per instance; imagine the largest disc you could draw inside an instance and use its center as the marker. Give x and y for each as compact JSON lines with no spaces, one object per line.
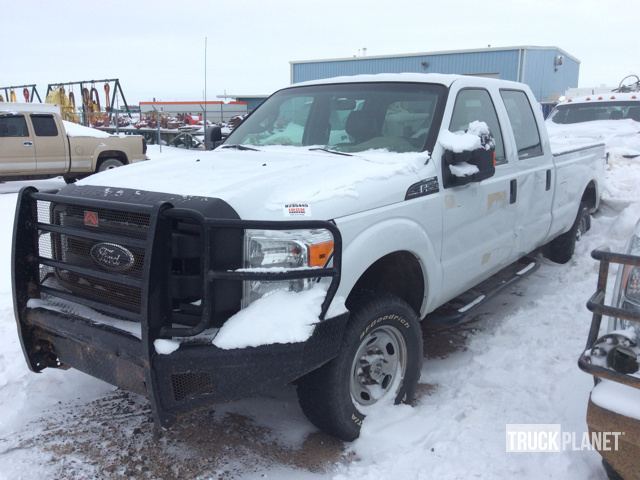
{"x":28,"y":143}
{"x":548,"y":185}
{"x":513,"y":192}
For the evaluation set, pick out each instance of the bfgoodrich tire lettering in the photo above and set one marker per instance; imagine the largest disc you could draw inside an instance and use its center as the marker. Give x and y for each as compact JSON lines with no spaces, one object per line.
{"x":326,"y":395}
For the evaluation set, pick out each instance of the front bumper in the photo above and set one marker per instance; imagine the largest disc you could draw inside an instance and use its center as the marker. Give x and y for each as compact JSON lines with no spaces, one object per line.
{"x":191,"y":377}
{"x":198,"y":373}
{"x":626,"y":459}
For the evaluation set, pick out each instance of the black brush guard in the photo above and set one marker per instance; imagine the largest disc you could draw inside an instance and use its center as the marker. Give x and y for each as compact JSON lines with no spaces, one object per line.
{"x":196,"y":374}
{"x":596,"y":304}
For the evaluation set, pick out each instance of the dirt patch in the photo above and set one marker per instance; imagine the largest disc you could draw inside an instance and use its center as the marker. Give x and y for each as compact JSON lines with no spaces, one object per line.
{"x":114,"y":437}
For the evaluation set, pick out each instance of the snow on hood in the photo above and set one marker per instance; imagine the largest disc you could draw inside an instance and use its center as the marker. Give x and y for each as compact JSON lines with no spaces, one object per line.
{"x":258,"y":184}
{"x":621,"y":137}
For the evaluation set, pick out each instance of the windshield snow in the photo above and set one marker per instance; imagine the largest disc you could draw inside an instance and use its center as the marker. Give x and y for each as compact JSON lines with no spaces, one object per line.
{"x":354,"y":117}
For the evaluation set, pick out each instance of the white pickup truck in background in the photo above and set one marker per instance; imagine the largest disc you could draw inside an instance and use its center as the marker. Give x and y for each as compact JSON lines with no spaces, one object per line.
{"x":36,"y":143}
{"x":390,"y":194}
{"x":611,"y":118}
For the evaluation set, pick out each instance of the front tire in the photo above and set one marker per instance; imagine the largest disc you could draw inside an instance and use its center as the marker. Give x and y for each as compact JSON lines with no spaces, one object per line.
{"x":561,"y":249}
{"x":379,"y":360}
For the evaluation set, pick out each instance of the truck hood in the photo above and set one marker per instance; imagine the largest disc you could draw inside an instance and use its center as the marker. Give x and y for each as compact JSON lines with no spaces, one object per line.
{"x":277,"y":182}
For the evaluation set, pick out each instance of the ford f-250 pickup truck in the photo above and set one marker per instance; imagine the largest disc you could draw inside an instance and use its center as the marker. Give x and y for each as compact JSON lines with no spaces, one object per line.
{"x":305,"y":249}
{"x":36,"y":143}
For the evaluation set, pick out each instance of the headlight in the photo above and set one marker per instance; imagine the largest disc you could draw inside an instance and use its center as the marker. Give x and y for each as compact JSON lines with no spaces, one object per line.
{"x":627,"y":291}
{"x":275,"y":250}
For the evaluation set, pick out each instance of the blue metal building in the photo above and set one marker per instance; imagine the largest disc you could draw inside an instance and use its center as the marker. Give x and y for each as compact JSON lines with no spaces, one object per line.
{"x":549,"y":71}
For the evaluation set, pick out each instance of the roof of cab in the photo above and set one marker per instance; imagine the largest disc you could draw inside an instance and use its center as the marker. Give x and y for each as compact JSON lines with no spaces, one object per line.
{"x":440,"y":78}
{"x":29,"y":107}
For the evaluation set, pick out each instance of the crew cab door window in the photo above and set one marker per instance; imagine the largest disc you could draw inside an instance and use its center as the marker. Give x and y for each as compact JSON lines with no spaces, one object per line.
{"x":44,"y":126}
{"x":13,"y":126}
{"x":476,"y":105}
{"x":523,"y":123}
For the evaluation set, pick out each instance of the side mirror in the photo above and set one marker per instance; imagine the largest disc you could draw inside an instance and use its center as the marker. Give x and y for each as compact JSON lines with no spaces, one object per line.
{"x":461,"y":168}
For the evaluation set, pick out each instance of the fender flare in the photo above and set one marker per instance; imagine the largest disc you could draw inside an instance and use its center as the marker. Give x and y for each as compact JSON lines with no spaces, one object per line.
{"x":365,"y":249}
{"x":106,"y":148}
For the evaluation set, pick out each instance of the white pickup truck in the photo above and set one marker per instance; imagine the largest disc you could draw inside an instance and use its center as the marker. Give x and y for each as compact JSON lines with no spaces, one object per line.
{"x":306,"y":249}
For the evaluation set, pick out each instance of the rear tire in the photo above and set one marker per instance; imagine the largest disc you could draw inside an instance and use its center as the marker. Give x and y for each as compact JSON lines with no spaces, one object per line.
{"x":380,"y":355}
{"x":109,"y":164}
{"x":561,"y":249}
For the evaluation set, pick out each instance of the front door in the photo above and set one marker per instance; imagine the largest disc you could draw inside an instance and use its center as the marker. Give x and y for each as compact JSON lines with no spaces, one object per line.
{"x":16,"y":146}
{"x":479,"y":218}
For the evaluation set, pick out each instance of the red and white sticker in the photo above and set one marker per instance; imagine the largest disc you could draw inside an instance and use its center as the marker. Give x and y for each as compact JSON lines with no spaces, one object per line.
{"x":297,"y":209}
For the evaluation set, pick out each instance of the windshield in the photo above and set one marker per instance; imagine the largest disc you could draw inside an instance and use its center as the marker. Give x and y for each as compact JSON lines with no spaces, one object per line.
{"x":353,"y":117}
{"x":589,"y":112}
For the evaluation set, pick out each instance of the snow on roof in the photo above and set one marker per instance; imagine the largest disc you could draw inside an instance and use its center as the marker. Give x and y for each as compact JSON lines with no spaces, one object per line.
{"x":29,"y":107}
{"x":603,"y":97}
{"x":445,"y":79}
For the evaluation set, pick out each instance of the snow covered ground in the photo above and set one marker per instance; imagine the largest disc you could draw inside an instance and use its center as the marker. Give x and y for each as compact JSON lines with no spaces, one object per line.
{"x":515,"y":363}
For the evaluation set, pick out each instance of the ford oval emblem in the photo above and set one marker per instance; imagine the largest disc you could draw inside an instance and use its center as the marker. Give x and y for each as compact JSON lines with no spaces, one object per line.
{"x":112,"y":257}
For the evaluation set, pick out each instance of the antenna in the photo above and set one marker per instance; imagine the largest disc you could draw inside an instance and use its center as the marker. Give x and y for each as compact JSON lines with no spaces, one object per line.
{"x":205,"y":93}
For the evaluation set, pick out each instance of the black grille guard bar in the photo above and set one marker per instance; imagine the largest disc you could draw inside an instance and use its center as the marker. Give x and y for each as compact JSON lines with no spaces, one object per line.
{"x":596,"y":304}
{"x":26,"y":258}
{"x":211,"y":275}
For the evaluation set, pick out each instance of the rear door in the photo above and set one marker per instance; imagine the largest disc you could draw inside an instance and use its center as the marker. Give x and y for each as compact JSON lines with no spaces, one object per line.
{"x":50,"y":142}
{"x":17,"y":154}
{"x":479,"y":219}
{"x":531,"y":154}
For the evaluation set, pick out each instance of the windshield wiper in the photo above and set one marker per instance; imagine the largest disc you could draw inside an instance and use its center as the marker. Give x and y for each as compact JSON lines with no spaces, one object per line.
{"x":335,"y":152}
{"x":240,"y":147}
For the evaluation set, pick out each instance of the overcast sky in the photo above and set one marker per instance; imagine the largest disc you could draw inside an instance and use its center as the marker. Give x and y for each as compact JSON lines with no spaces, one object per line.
{"x":156,"y":48}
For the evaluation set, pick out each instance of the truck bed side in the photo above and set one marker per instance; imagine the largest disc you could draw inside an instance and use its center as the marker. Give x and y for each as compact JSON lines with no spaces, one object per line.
{"x":577,"y":171}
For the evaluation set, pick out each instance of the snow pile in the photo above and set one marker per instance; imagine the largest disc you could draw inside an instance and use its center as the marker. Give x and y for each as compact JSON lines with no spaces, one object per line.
{"x":278,"y":317}
{"x":463,"y":169}
{"x":621,"y":181}
{"x":77,"y":130}
{"x":621,"y":137}
{"x":458,"y":142}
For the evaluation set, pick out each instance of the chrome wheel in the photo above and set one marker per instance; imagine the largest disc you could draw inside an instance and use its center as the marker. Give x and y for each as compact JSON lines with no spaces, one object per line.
{"x":379,"y":366}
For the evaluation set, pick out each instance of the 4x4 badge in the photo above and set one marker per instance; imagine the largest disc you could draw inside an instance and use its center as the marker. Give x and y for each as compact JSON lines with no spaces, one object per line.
{"x":110,"y":256}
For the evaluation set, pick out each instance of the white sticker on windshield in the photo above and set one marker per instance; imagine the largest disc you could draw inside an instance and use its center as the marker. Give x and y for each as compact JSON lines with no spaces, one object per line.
{"x":297,"y":209}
